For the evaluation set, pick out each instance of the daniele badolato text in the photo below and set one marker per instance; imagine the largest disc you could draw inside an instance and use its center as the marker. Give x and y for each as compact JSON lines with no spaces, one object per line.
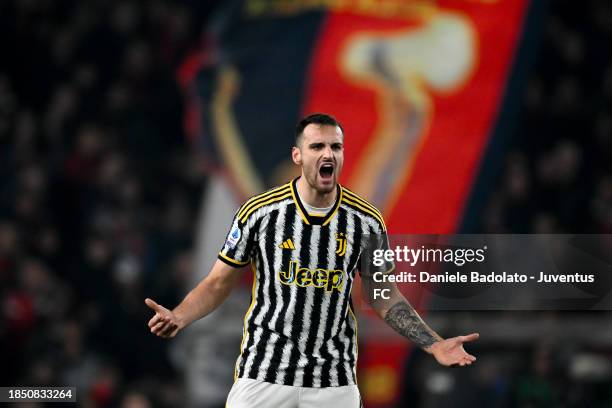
{"x":459,"y":257}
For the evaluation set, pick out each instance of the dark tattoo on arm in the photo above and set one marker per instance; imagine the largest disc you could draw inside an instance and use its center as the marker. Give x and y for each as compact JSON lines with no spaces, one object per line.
{"x":404,"y":319}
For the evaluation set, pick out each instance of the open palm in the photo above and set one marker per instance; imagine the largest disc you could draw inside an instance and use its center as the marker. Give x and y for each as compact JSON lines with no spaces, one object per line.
{"x":451,"y":352}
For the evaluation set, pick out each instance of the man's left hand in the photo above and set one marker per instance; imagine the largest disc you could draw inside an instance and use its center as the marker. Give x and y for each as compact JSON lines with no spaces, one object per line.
{"x":450,"y":352}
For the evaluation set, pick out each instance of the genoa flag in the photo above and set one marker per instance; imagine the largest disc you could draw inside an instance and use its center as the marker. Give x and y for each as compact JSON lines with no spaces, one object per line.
{"x":417,"y":85}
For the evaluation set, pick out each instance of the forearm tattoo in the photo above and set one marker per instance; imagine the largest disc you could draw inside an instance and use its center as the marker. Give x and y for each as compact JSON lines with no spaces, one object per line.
{"x":404,"y":319}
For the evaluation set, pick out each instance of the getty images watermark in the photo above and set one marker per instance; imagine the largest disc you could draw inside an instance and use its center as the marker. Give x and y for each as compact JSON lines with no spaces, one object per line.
{"x":493,"y":272}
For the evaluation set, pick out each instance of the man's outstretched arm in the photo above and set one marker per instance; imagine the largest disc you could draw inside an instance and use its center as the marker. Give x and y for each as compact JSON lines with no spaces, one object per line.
{"x":198,"y":303}
{"x":399,"y":314}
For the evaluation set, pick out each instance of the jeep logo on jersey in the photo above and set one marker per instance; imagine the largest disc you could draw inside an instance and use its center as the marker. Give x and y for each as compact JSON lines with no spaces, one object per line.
{"x":319,"y":278}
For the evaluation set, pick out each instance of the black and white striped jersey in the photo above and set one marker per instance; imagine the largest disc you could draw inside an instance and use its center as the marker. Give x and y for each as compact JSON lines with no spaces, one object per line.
{"x":300,"y":328}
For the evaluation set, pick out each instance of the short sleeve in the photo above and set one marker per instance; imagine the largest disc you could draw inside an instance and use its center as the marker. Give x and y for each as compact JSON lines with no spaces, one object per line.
{"x":376,"y":255}
{"x":236,"y":250}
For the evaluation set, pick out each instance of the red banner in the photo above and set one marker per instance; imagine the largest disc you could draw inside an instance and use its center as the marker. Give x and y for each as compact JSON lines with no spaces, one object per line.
{"x":418,"y":95}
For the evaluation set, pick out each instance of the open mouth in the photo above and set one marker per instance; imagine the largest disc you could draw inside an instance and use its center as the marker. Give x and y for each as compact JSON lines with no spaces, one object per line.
{"x":326,"y":170}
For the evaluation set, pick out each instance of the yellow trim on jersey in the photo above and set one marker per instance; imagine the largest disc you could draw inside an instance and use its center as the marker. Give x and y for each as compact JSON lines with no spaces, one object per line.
{"x":359,"y":198}
{"x":363,"y":202}
{"x":297,"y":204}
{"x":375,"y":215}
{"x":221,"y":254}
{"x":261,"y":204}
{"x":354,"y":196}
{"x":258,"y":198}
{"x":246,"y":316}
{"x":333,"y":214}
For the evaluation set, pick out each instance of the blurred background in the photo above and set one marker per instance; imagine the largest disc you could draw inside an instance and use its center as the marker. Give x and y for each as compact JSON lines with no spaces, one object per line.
{"x":130,"y":131}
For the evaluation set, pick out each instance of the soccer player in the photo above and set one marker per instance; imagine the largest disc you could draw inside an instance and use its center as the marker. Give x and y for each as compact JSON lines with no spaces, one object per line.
{"x":304,"y":241}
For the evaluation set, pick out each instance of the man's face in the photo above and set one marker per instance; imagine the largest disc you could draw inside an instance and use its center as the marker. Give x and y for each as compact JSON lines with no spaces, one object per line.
{"x":321,"y":156}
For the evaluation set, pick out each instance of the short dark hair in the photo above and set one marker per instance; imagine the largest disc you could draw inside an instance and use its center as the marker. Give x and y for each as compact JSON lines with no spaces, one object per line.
{"x":317,"y":119}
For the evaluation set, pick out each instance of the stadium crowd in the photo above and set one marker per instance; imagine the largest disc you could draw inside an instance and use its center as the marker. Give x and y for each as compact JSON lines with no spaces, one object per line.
{"x":557,"y":176}
{"x":98,"y":196}
{"x":100,"y":189}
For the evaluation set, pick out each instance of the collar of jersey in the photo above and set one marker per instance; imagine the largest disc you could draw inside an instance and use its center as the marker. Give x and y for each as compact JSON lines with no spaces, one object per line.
{"x":315,"y":220}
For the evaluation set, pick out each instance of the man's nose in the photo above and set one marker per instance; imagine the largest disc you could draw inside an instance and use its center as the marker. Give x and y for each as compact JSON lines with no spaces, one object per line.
{"x":328,"y":152}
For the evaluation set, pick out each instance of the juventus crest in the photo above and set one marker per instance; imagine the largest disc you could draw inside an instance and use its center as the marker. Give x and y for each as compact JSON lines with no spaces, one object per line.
{"x":341,"y":240}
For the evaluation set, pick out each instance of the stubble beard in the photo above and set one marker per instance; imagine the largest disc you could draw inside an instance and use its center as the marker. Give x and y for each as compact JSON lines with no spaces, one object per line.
{"x":312,"y":182}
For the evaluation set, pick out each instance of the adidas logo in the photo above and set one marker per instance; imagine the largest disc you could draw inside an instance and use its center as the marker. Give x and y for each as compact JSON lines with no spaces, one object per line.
{"x":288,"y":244}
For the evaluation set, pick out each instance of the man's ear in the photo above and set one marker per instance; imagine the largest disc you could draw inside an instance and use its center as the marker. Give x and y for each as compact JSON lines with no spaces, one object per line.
{"x":296,"y":155}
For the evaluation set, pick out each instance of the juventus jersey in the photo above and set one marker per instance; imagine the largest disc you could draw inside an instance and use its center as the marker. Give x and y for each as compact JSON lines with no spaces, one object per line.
{"x":300,"y":328}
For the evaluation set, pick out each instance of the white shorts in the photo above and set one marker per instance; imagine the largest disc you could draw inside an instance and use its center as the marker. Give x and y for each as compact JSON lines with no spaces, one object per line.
{"x":248,"y":393}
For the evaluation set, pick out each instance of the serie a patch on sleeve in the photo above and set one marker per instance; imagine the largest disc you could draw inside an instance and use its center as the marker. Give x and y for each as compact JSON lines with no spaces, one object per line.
{"x":234,"y":237}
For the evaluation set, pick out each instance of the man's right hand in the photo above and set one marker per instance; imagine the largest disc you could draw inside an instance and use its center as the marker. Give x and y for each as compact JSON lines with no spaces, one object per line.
{"x":201,"y":301}
{"x":164,"y":323}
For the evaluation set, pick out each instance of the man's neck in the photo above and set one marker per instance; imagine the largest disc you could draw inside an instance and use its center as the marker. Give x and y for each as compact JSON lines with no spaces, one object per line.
{"x":312,"y":197}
